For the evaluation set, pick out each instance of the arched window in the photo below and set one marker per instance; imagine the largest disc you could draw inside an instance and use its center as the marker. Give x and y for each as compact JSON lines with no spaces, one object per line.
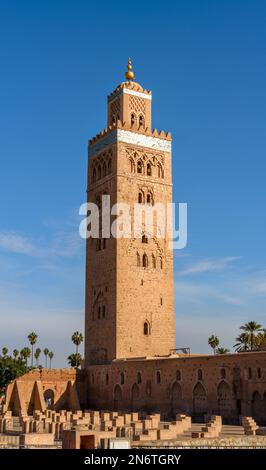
{"x":249,"y":373}
{"x":94,"y":175}
{"x":145,"y":261}
{"x":139,"y":167}
{"x":138,"y":260}
{"x":109,"y":167}
{"x":161,"y":263}
{"x":104,"y":169}
{"x":98,"y":244}
{"x":144,"y":239}
{"x":148,"y":169}
{"x":146,"y":329}
{"x":49,"y":399}
{"x":160,"y":171}
{"x":103,"y":243}
{"x":122,"y":378}
{"x":107,"y":379}
{"x":138,"y":378}
{"x":141,"y":121}
{"x":99,"y":172}
{"x":103,"y":311}
{"x":99,"y":313}
{"x":140,"y":198}
{"x":148,"y":388}
{"x":132,"y":166}
{"x":259,"y":372}
{"x":132,"y":119}
{"x":158,"y":377}
{"x":153,"y":261}
{"x":199,"y":374}
{"x":178,"y":375}
{"x":223,"y":373}
{"x":149,"y":198}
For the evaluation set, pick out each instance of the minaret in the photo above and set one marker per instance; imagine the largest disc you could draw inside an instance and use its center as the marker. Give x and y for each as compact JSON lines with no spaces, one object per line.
{"x":129,"y":281}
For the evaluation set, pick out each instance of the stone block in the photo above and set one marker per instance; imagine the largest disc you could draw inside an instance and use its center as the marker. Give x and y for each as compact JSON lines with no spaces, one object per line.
{"x":34,"y":439}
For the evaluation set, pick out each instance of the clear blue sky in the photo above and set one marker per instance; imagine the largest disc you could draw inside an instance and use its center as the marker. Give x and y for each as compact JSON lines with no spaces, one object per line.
{"x":205,"y":63}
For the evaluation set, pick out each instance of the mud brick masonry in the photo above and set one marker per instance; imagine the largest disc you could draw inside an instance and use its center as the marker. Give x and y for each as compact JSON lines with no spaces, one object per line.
{"x":130,"y":362}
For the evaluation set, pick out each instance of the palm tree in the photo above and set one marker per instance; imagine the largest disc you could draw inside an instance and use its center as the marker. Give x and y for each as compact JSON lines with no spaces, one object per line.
{"x":25,"y":354}
{"x":251,"y":328}
{"x":37,"y":355}
{"x":32,"y":337}
{"x":213,"y":342}
{"x":241,"y":343}
{"x":50,"y":355}
{"x":74,"y":359}
{"x":4,"y":351}
{"x":77,"y":339}
{"x":261,"y":337}
{"x":222,"y":351}
{"x":46,"y":352}
{"x":15,"y":354}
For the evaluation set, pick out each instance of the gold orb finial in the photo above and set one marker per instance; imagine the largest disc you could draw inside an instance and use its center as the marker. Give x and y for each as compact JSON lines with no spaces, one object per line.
{"x":129,"y":73}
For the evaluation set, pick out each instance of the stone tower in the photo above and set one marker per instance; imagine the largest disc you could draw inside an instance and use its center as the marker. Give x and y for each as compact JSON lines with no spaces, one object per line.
{"x":129,"y":281}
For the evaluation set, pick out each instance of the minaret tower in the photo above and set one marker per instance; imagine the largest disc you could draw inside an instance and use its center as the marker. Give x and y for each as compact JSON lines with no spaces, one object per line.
{"x":129,"y":281}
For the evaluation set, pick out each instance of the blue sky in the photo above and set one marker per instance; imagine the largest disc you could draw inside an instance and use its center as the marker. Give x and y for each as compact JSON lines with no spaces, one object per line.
{"x":205,"y":63}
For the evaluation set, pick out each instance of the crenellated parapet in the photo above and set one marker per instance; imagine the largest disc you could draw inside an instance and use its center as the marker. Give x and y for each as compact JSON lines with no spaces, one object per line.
{"x":123,"y":125}
{"x":158,"y":140}
{"x":131,"y":87}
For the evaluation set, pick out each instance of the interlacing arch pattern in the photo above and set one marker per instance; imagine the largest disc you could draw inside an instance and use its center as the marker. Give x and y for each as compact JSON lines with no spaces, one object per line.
{"x":115,"y":111}
{"x":146,"y":165}
{"x":137,"y":111}
{"x":101,"y":166}
{"x":137,"y":104}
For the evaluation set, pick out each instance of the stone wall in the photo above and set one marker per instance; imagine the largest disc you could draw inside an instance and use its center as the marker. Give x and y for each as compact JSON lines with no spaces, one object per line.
{"x":40,"y":389}
{"x":229,"y":385}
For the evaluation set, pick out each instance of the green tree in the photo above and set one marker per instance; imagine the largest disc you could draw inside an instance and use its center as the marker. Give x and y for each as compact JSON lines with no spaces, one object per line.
{"x":213,"y":342}
{"x":50,"y":355}
{"x":15,"y":354}
{"x":261,"y":338}
{"x":4,"y":351}
{"x":37,"y":355}
{"x":9,"y":370}
{"x":251,"y":329}
{"x":77,"y":339}
{"x":222,"y":351}
{"x":241,"y":343}
{"x":25,"y":354}
{"x":46,"y":352}
{"x":251,"y":337}
{"x":32,"y":337}
{"x":74,"y":359}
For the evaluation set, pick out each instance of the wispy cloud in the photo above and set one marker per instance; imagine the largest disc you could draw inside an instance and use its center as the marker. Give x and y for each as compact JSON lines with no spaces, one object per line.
{"x":11,"y":241}
{"x":208,"y":265}
{"x":63,"y":244}
{"x":205,"y":293}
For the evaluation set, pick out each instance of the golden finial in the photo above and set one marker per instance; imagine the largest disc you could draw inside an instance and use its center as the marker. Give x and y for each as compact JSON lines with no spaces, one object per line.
{"x":129,"y":73}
